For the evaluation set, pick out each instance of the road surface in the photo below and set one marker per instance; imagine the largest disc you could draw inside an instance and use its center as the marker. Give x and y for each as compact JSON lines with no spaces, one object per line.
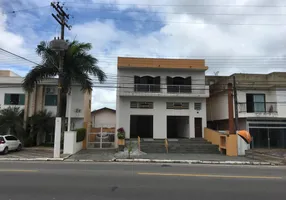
{"x":106,"y":181}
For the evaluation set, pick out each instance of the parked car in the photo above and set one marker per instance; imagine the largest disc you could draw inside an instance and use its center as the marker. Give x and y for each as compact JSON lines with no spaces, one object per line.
{"x":9,"y":143}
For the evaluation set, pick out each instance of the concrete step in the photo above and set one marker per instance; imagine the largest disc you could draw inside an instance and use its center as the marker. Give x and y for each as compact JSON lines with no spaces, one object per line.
{"x":196,"y":145}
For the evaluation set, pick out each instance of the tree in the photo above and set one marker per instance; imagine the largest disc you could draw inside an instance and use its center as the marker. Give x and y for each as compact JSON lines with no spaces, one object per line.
{"x":11,"y":122}
{"x":41,"y":124}
{"x":78,"y":67}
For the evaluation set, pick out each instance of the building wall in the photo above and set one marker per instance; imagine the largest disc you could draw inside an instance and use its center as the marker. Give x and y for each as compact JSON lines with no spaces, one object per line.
{"x":159,"y":113}
{"x":9,"y":90}
{"x":103,"y":117}
{"x":36,"y":100}
{"x":126,"y":77}
{"x":217,"y":105}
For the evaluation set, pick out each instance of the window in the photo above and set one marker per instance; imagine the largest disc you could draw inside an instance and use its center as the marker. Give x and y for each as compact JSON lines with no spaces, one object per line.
{"x":10,"y":138}
{"x":255,"y":103}
{"x":179,"y":84}
{"x":198,"y":106}
{"x":142,"y":105}
{"x":146,"y":84}
{"x":177,"y":105}
{"x":51,"y":100}
{"x":14,"y":99}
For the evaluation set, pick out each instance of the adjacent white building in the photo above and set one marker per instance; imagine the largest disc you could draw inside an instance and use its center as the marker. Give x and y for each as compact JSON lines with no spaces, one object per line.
{"x":161,"y":98}
{"x":261,"y":106}
{"x":43,"y":97}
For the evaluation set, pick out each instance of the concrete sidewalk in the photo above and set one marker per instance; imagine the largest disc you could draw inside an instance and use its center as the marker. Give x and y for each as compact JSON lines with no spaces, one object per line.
{"x":33,"y":153}
{"x":111,"y":156}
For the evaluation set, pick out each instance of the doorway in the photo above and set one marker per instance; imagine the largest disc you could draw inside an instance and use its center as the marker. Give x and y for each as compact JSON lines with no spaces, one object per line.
{"x":141,"y":125}
{"x":178,"y":127}
{"x":198,"y":128}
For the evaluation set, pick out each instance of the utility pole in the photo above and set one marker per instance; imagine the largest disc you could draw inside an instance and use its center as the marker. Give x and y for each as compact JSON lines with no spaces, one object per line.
{"x":61,"y":17}
{"x":230,"y":108}
{"x":235,"y":105}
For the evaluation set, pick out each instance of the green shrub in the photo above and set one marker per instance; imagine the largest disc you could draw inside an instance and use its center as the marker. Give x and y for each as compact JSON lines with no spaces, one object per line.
{"x":80,"y":134}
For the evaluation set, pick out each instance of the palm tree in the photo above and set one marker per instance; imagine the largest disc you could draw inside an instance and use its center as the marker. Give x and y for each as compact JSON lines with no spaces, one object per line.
{"x":41,"y":124}
{"x":11,"y":122}
{"x":78,"y":67}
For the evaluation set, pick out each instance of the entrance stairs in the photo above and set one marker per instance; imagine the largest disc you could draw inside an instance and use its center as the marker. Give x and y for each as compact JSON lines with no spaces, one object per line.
{"x":194,"y":145}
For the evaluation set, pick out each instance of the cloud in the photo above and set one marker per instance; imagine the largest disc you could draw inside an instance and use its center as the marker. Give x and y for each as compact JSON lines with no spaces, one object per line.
{"x":209,"y":29}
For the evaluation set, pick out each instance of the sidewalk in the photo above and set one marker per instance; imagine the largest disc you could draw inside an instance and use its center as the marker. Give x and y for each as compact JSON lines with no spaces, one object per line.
{"x":111,"y":156}
{"x":32,"y":153}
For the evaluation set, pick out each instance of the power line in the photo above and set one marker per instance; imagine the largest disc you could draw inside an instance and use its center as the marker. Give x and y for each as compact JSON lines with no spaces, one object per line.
{"x":18,"y":56}
{"x":177,"y":13}
{"x":177,"y":5}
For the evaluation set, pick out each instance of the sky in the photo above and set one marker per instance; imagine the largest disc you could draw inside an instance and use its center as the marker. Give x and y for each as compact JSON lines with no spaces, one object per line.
{"x":233,"y":36}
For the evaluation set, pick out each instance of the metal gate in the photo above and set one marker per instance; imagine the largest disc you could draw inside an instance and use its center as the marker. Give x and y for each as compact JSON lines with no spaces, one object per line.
{"x":101,"y":136}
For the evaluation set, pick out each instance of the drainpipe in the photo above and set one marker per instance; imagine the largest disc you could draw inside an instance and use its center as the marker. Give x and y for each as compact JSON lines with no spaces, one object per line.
{"x":230,"y":110}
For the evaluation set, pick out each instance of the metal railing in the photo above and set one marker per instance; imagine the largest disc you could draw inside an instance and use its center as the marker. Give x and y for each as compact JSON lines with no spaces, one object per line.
{"x":147,"y":88}
{"x":164,"y":89}
{"x":257,"y":107}
{"x":179,"y":88}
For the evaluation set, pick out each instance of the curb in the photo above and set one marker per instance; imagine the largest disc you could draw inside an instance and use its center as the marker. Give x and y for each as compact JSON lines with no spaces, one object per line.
{"x":35,"y":159}
{"x":194,"y":162}
{"x":138,"y":160}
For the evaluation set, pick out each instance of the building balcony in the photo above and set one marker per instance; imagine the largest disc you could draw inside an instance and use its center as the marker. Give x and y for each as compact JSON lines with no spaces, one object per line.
{"x":256,"y":109}
{"x":153,"y":90}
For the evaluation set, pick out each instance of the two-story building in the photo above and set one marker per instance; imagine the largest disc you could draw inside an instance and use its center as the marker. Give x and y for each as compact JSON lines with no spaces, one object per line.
{"x":261,"y":103}
{"x":44,"y":96}
{"x":161,"y":98}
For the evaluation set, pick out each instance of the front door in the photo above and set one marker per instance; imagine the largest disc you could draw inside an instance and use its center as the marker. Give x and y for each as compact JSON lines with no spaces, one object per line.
{"x":198,"y":128}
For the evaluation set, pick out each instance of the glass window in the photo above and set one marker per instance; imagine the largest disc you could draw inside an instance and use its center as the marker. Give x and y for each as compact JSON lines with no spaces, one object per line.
{"x":51,"y":100}
{"x":255,"y":103}
{"x":14,"y":99}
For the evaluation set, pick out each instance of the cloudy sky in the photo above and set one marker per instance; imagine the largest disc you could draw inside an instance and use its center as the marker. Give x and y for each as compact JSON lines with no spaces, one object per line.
{"x":244,"y":36}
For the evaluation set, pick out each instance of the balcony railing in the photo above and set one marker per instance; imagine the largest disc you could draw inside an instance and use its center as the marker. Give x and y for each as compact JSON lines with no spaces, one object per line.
{"x":147,"y":88}
{"x":257,"y":107}
{"x":179,"y":88}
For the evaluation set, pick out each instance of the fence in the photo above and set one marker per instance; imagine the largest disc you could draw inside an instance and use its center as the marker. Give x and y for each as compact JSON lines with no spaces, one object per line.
{"x":101,"y":136}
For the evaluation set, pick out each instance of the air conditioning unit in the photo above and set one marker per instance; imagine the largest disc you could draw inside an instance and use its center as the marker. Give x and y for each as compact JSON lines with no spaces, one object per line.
{"x":50,"y":90}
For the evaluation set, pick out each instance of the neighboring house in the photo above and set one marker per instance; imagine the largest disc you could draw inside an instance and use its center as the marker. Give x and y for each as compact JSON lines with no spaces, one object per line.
{"x":161,"y":98}
{"x":261,"y":106}
{"x":103,"y":117}
{"x":43,"y":97}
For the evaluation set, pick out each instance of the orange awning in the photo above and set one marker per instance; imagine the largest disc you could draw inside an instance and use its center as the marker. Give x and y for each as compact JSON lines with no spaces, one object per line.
{"x":245,"y":135}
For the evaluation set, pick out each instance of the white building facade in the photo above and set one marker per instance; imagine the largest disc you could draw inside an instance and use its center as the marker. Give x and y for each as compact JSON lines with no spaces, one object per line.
{"x":44,"y":97}
{"x":261,"y":106}
{"x":161,"y":98}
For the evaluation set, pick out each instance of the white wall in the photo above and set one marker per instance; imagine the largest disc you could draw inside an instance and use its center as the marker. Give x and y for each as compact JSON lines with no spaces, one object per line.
{"x":10,"y":90}
{"x":103,"y":117}
{"x":159,"y":113}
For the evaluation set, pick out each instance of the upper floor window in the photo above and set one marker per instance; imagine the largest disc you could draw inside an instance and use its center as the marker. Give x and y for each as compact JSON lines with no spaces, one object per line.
{"x":255,"y":103}
{"x":14,"y":99}
{"x":146,"y":84}
{"x":51,"y":100}
{"x":179,"y":84}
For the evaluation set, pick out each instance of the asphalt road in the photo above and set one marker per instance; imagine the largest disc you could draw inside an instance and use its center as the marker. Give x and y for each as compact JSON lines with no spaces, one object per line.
{"x":106,"y":181}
